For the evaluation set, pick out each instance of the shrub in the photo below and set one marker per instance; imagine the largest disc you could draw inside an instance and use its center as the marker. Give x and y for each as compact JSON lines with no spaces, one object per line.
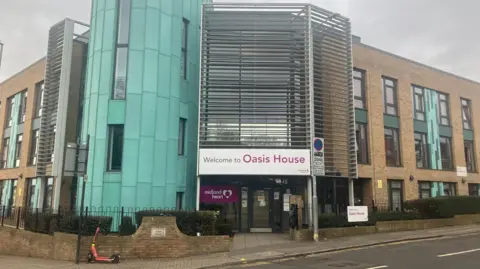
{"x":127,"y":227}
{"x":189,"y":223}
{"x":40,"y":222}
{"x":70,"y":223}
{"x":339,"y":221}
{"x":392,"y":216}
{"x":224,"y":229}
{"x":445,"y":207}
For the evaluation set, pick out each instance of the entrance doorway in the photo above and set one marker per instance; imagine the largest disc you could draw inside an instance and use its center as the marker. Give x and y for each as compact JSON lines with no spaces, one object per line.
{"x":266,"y":210}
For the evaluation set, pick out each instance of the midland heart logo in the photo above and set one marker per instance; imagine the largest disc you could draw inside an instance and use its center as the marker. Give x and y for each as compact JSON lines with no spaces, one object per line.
{"x":227,"y":193}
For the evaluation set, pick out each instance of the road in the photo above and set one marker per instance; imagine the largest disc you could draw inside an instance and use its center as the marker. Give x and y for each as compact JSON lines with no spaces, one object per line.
{"x":452,"y":253}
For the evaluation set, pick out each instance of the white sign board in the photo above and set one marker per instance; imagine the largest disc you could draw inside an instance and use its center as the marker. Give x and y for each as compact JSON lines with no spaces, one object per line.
{"x":461,"y":171}
{"x":158,"y":232}
{"x":254,"y":162}
{"x":357,"y":213}
{"x":318,"y":162}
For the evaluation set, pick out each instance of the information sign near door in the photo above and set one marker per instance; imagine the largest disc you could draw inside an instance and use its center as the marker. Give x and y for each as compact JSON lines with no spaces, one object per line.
{"x":318,"y":160}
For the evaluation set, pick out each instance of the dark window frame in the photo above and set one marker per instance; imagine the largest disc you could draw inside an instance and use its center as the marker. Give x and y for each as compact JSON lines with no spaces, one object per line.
{"x":424,"y":150}
{"x":470,"y":161}
{"x":421,"y":188}
{"x":450,"y":149}
{"x":5,"y":149}
{"x":179,"y":200}
{"x":113,"y":131}
{"x":386,"y":104}
{"x":39,"y":93}
{"x":362,"y":143}
{"x":361,"y":78}
{"x":473,"y":189}
{"x":466,"y":105}
{"x":121,"y":47}
{"x":30,"y":197}
{"x":394,"y":136}
{"x":8,"y":112}
{"x":22,"y":110}
{"x":447,"y":107}
{"x":421,"y":96}
{"x":48,"y":193}
{"x":450,"y":184}
{"x":18,"y":150}
{"x":184,"y":48}
{"x":32,"y":159}
{"x":390,"y":193}
{"x":182,"y":134}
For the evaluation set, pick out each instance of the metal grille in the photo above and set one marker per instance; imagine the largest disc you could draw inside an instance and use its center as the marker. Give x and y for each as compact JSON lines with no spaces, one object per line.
{"x":260,"y":65}
{"x":253,"y":81}
{"x":333,"y":91}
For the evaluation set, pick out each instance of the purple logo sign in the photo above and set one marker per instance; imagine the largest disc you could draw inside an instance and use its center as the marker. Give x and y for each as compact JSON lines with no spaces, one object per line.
{"x":218,"y":194}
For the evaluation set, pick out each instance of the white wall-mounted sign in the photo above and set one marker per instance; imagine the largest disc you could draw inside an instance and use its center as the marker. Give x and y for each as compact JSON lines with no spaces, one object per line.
{"x":357,"y":213}
{"x":254,"y":162}
{"x":158,"y":232}
{"x":461,"y":171}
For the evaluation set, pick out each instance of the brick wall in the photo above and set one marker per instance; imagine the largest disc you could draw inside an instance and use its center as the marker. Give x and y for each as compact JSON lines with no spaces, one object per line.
{"x":141,"y":245}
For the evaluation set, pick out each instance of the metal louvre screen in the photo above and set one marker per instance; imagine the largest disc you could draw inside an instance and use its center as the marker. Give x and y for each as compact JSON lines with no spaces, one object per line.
{"x":333,"y":93}
{"x":260,"y":66}
{"x":253,"y":82}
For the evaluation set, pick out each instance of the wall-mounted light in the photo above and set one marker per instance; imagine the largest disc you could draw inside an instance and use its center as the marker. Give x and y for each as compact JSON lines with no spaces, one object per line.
{"x":464,"y":180}
{"x":412,"y":178}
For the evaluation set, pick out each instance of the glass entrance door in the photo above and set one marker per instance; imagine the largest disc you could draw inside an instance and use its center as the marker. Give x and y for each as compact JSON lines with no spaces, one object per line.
{"x":261,"y":210}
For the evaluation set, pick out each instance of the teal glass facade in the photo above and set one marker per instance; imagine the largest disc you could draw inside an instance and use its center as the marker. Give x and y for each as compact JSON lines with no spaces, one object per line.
{"x":157,"y":97}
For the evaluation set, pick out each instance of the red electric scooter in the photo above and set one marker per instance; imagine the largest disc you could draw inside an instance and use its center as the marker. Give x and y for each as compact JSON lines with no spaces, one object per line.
{"x":93,"y":254}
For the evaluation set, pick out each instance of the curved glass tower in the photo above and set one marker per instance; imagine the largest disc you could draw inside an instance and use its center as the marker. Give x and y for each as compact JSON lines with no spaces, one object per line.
{"x":141,"y":102}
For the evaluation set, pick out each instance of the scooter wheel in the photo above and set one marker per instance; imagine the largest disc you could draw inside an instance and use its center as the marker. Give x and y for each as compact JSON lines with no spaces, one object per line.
{"x":115,"y":258}
{"x":89,"y":257}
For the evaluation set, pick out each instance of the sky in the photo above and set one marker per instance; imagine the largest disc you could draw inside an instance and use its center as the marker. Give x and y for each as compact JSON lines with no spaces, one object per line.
{"x":441,"y":33}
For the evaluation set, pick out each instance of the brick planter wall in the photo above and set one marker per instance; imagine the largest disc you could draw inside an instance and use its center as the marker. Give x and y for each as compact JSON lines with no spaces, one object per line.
{"x":171,"y":244}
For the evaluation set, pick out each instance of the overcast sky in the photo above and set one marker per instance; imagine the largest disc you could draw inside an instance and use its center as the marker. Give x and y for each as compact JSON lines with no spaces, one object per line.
{"x":441,"y":33}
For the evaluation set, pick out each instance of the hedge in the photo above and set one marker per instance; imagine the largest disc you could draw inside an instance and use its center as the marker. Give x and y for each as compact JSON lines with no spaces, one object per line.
{"x":444,"y":207}
{"x":189,"y":223}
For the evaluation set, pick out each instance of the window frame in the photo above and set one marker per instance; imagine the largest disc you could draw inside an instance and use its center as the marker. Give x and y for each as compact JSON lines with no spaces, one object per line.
{"x":386,"y":104}
{"x":449,"y":142}
{"x":184,"y":48}
{"x":395,"y":136}
{"x":31,"y":185}
{"x":179,"y":200}
{"x":112,"y":129}
{"x":473,"y":189}
{"x":22,"y":110}
{"x":447,"y":107}
{"x":450,"y":184}
{"x":121,"y":46}
{"x":420,"y":189}
{"x":425,"y":150}
{"x":5,"y":149}
{"x":48,"y":188}
{"x":182,"y":134}
{"x":362,"y":157}
{"x":33,"y":152}
{"x":18,"y":150}
{"x":390,"y":193}
{"x":466,"y":113}
{"x":421,"y":95}
{"x":470,"y":145}
{"x":8,"y":112}
{"x":39,"y":94}
{"x":360,"y":78}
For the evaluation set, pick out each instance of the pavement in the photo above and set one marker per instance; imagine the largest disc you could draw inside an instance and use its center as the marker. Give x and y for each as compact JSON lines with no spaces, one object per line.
{"x":448,"y":253}
{"x":245,"y":256}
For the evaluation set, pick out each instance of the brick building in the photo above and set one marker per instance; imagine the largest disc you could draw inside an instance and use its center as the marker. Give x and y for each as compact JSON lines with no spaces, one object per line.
{"x":415,"y":128}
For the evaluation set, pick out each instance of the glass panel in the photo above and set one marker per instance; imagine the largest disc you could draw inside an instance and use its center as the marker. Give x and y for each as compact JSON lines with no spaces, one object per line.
{"x":390,"y":95}
{"x":120,"y":73}
{"x":444,"y":121}
{"x":359,"y":104}
{"x":418,"y":102}
{"x":357,"y":74}
{"x":357,"y":87}
{"x":418,"y":90}
{"x":116,"y":147}
{"x":181,"y":137}
{"x":420,"y":116}
{"x":466,"y":125}
{"x":396,"y":200}
{"x":442,"y":97}
{"x":261,"y":211}
{"x":123,"y":22}
{"x":388,"y":82}
{"x":443,"y":108}
{"x":391,"y":110}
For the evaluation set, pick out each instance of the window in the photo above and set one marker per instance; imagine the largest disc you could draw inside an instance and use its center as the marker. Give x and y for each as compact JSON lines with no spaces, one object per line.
{"x":418,"y":103}
{"x":466,"y":114}
{"x":424,"y":190}
{"x":34,"y":147}
{"x":31,"y":182}
{"x":470,"y":155}
{"x":23,"y":107}
{"x":115,"y":147}
{"x":446,"y":152}
{"x":395,"y":191}
{"x":6,"y":144}
{"x":179,"y":201}
{"x":181,"y":136}
{"x":18,"y":150}
{"x":121,"y":54}
{"x":362,"y":143}
{"x":13,"y":192}
{"x":1,"y":191}
{"x":48,"y":194}
{"x":390,"y":96}
{"x":39,"y":90}
{"x":392,"y":147}
{"x":443,"y":111}
{"x":359,"y":88}
{"x":184,"y":48}
{"x":473,"y":189}
{"x":421,"y":150}
{"x":449,"y":189}
{"x":8,"y":118}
